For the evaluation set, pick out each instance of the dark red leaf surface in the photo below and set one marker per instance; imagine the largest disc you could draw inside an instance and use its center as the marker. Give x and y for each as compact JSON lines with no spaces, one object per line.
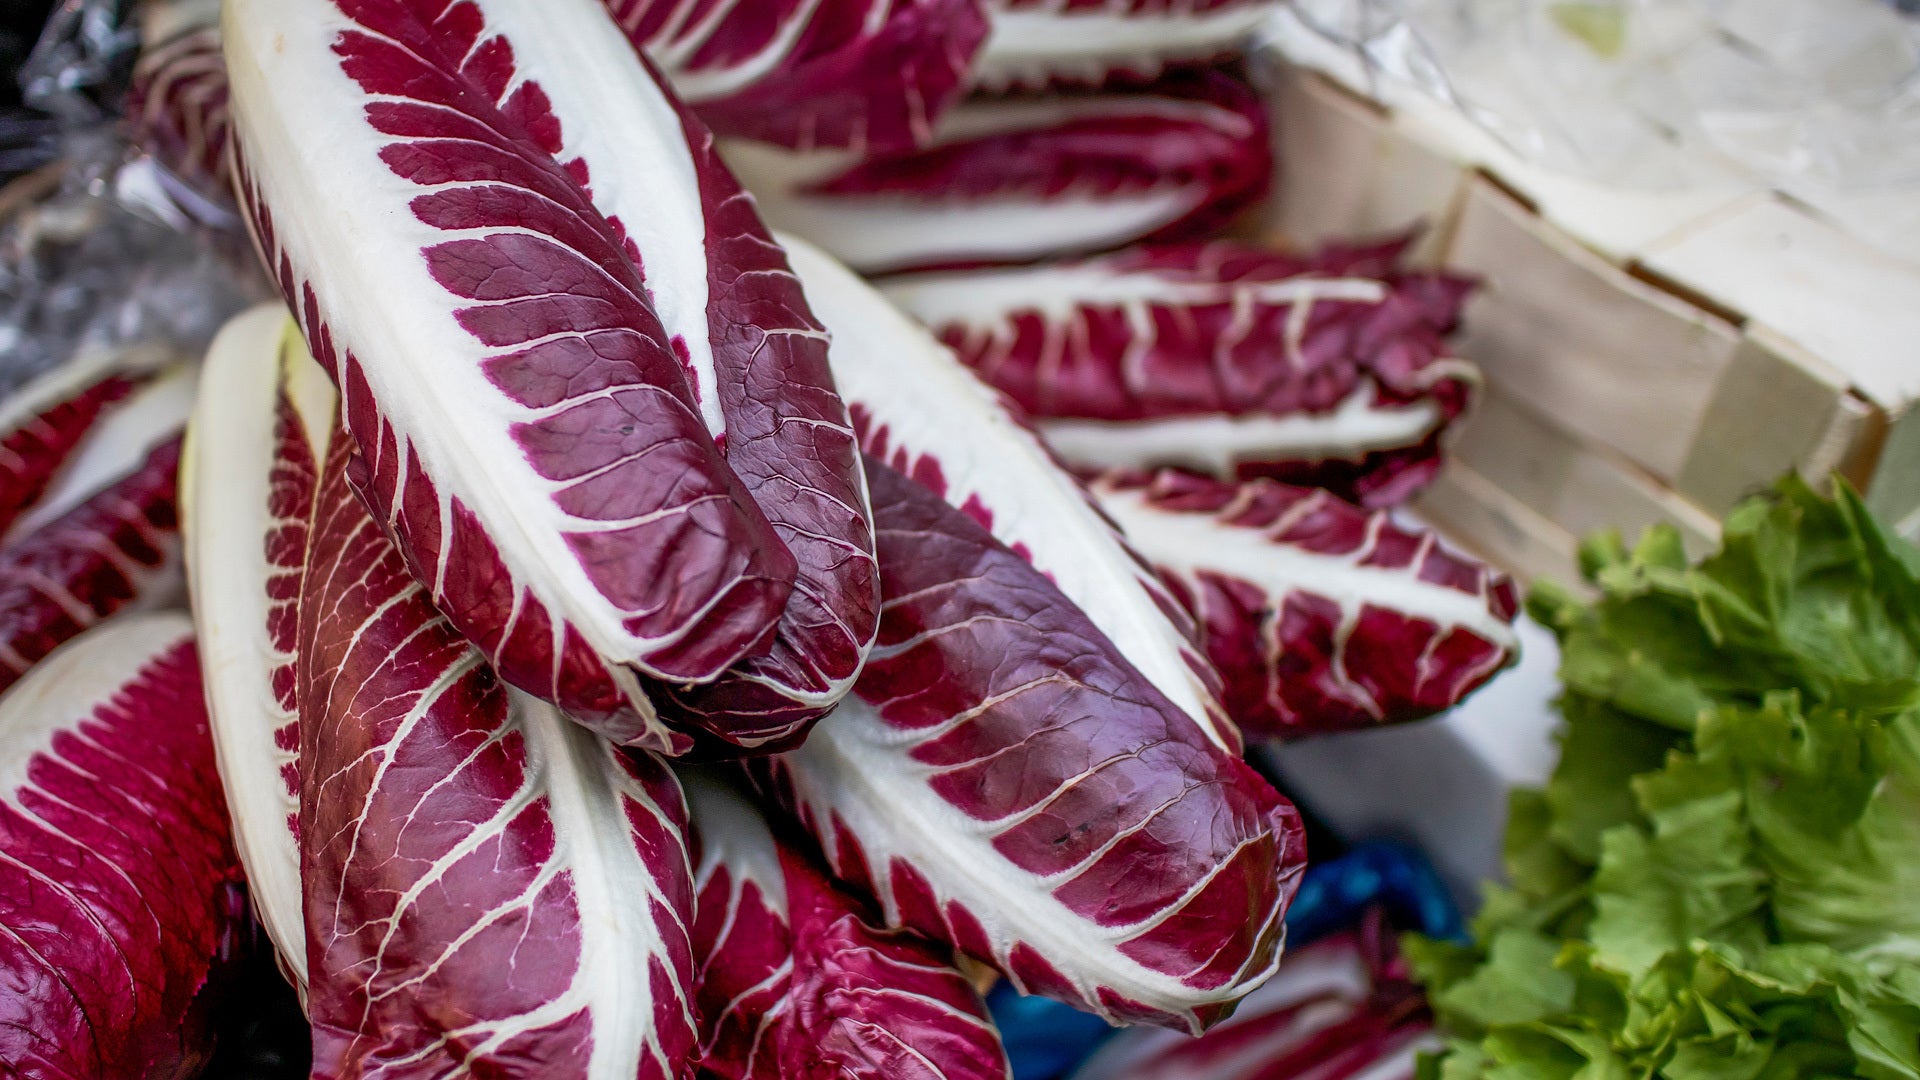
{"x":117,"y":551}
{"x":489,"y":887}
{"x":789,"y":439}
{"x":853,"y":73}
{"x":606,"y":510}
{"x":50,"y":422}
{"x":1321,"y":616}
{"x":1327,"y":369}
{"x":1342,"y":1008}
{"x":1002,"y":780}
{"x":120,"y":873}
{"x":1019,"y":178}
{"x":799,"y":980}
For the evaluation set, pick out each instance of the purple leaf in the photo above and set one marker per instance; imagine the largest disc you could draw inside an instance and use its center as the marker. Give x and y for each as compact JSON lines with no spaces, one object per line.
{"x":1321,"y":616}
{"x":103,"y":537}
{"x":924,"y":414}
{"x":118,"y":551}
{"x":486,"y":276}
{"x":1327,"y":370}
{"x":1036,"y":43}
{"x":866,"y":74}
{"x":251,"y":472}
{"x":798,"y":979}
{"x":787,"y":435}
{"x":1002,"y":779}
{"x":42,"y":425}
{"x":489,"y":887}
{"x":1342,"y":1008}
{"x":120,"y":873}
{"x":1021,"y":178}
{"x":177,"y":105}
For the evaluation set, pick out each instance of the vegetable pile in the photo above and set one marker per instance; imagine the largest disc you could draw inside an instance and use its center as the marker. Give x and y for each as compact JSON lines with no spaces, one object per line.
{"x":1719,"y":880}
{"x":624,"y":641}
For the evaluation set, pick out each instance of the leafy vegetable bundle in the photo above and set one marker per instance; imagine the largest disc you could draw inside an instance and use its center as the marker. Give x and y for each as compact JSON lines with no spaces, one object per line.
{"x":633,"y":646}
{"x":1719,"y":880}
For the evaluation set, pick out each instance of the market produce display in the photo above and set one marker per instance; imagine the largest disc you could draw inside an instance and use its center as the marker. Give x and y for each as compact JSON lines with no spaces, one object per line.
{"x":1340,"y":1005}
{"x":619,"y":639}
{"x":921,"y":413}
{"x":483,"y":878}
{"x":618,"y":511}
{"x":990,"y":700}
{"x":1719,"y":879}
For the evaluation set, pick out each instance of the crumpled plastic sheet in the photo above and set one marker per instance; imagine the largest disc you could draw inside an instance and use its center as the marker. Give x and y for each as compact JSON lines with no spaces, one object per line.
{"x":1046,"y":1040}
{"x":20,"y":23}
{"x":80,"y":67}
{"x":1820,"y":100}
{"x":29,"y":138}
{"x":120,"y":253}
{"x":28,"y":141}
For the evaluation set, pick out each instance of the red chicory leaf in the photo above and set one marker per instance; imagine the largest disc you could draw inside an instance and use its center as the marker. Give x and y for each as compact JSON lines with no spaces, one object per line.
{"x":525,"y":416}
{"x":117,"y":552}
{"x":866,"y":74}
{"x":488,"y":885}
{"x":798,"y":979}
{"x":120,"y":873}
{"x":1327,"y":370}
{"x":1002,"y":779}
{"x":1021,"y":178}
{"x":1321,"y":616}
{"x":1036,"y":43}
{"x":177,"y":105}
{"x":104,"y":537}
{"x":730,"y":307}
{"x":251,"y":470}
{"x":1337,"y":1010}
{"x":924,"y":414}
{"x":43,"y":423}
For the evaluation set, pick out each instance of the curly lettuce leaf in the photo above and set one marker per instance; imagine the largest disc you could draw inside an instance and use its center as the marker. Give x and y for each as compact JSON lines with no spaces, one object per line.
{"x":1805,"y":594}
{"x":1719,"y":880}
{"x":1833,"y":806}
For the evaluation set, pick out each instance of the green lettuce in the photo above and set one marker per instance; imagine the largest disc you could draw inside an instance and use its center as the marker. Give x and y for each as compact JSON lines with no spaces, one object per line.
{"x":1721,"y":881}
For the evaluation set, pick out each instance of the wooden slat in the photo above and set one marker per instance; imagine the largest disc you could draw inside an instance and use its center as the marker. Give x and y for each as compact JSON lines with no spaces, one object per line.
{"x":1614,"y":359}
{"x":1344,"y":172}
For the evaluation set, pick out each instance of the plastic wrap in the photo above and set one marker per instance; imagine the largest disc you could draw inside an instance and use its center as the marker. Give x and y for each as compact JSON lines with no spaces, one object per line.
{"x":1818,"y":100}
{"x":27,"y":137}
{"x":1392,"y":876}
{"x":109,"y":261}
{"x":104,"y":249}
{"x":79,"y":68}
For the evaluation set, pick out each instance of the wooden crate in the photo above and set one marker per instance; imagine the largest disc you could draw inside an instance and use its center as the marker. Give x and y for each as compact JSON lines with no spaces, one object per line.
{"x":1648,"y":356}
